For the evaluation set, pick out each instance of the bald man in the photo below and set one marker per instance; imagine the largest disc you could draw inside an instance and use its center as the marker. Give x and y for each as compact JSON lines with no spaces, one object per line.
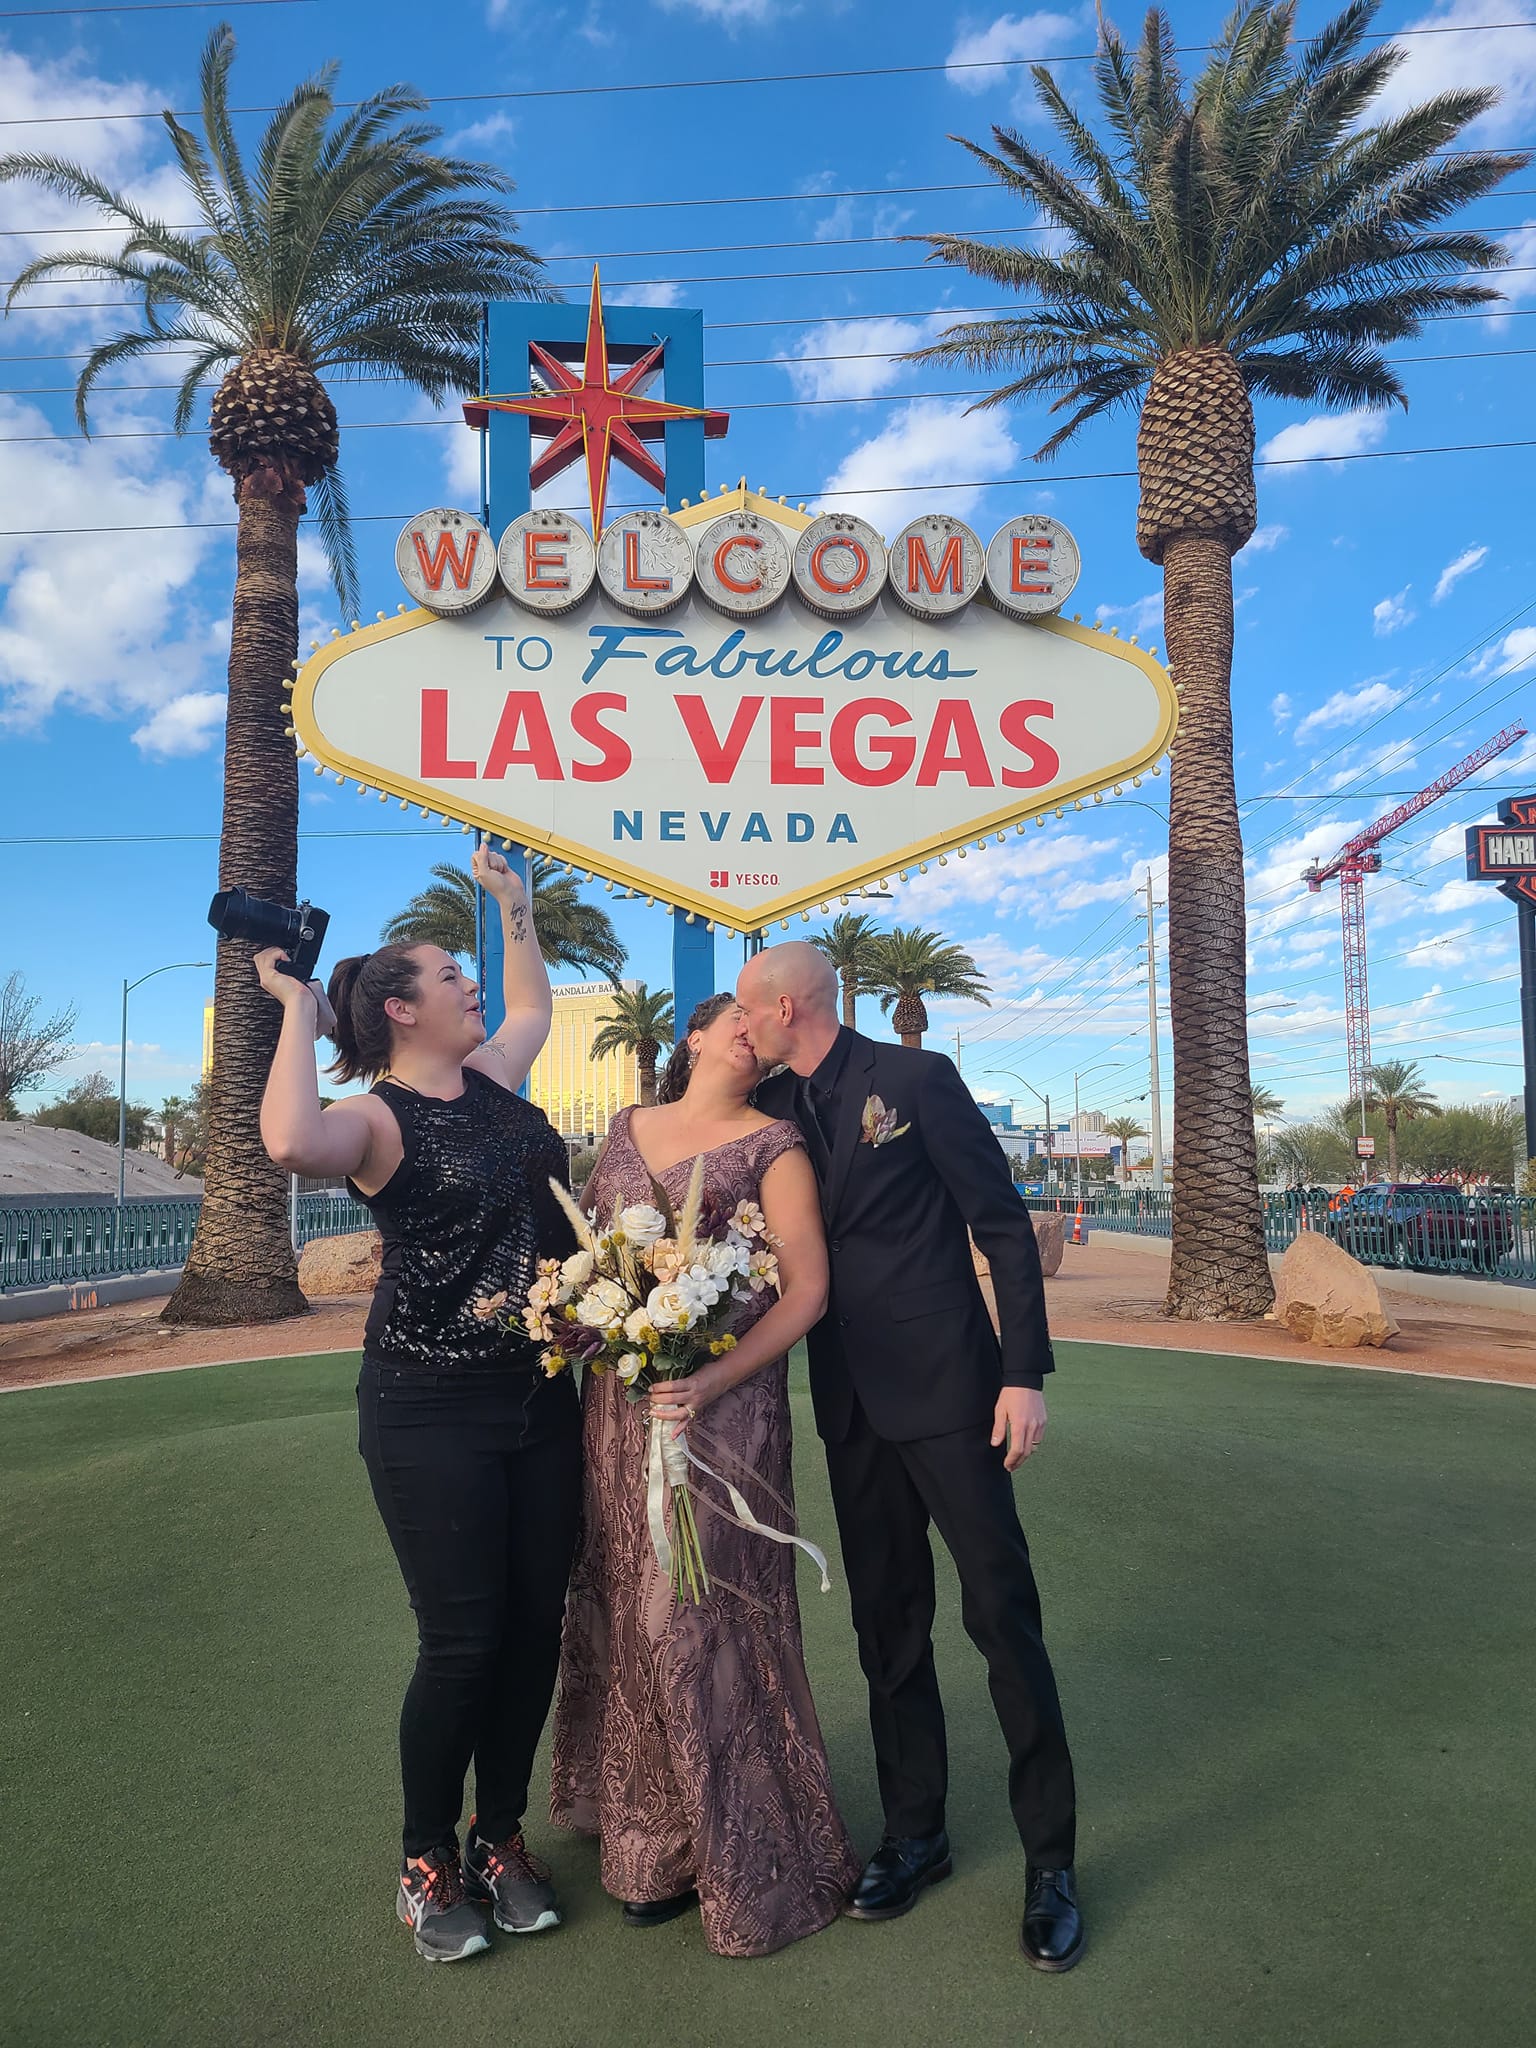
{"x":925,"y":1415}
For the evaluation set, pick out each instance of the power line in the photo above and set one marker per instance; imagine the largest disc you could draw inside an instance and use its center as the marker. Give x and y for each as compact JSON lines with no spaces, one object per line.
{"x":141,"y":7}
{"x":995,"y":483}
{"x":655,"y":85}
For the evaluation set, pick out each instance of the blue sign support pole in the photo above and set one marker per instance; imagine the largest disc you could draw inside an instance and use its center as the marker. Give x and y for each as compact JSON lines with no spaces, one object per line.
{"x":509,"y":328}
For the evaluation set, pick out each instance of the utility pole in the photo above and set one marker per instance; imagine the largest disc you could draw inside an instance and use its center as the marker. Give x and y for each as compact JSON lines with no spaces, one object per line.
{"x":1155,"y":1110}
{"x":958,"y":1068}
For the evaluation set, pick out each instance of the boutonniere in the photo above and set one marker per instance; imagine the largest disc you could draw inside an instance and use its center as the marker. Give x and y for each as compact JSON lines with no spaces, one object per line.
{"x":878,"y":1124}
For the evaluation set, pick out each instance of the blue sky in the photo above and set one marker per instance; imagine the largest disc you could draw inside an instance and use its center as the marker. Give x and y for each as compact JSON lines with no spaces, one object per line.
{"x":1387,"y":608}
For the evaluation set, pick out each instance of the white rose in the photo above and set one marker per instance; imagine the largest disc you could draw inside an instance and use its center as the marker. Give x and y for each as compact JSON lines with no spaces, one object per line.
{"x":602,"y":1306}
{"x":642,"y":1224}
{"x":630,"y":1366}
{"x":670,"y":1307}
{"x":577,"y":1270}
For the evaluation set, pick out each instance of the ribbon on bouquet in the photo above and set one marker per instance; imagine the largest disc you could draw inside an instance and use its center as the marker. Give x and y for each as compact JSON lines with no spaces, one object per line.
{"x":670,"y":1458}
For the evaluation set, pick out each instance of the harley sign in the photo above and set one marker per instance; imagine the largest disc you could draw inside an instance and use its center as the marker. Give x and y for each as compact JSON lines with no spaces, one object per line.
{"x":735,"y":708}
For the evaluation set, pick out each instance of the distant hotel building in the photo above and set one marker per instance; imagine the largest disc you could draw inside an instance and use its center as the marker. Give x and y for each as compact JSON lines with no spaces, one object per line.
{"x":577,"y":1093}
{"x":207,"y":1040}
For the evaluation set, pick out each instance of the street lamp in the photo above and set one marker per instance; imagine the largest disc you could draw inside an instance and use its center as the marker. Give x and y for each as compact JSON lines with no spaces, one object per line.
{"x":122,"y":1067}
{"x":1010,"y":1075}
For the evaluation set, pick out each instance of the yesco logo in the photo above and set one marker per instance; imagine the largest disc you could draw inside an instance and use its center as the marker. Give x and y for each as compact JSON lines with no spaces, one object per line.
{"x":646,"y":563}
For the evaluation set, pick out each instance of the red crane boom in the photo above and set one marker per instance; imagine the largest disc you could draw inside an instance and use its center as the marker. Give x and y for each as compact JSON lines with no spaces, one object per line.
{"x":1356,"y":859}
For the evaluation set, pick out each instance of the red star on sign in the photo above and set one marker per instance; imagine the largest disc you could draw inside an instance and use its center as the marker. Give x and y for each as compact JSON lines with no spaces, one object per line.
{"x":594,"y":416}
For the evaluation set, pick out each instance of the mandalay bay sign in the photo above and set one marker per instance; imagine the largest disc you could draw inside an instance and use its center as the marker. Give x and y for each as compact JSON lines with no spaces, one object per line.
{"x":736,"y":708}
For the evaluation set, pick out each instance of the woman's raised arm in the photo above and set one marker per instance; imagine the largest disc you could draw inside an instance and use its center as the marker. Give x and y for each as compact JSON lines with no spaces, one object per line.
{"x":299,"y":1135}
{"x":509,"y":1055}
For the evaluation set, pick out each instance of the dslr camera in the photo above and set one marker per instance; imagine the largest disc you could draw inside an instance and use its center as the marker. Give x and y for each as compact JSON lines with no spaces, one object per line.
{"x":299,"y":931}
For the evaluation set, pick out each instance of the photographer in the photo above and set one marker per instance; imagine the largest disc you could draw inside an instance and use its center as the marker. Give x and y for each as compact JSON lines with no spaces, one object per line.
{"x":474,"y":1455}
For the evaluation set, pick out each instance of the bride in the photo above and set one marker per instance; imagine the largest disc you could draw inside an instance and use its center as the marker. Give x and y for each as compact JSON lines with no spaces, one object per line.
{"x":685,"y":1737}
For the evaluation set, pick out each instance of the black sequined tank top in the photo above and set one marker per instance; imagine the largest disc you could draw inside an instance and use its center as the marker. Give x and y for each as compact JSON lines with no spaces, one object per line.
{"x":467,"y":1213}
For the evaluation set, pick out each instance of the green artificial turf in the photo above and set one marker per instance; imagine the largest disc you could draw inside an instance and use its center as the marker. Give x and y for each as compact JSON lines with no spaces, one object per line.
{"x":1291,"y":1609}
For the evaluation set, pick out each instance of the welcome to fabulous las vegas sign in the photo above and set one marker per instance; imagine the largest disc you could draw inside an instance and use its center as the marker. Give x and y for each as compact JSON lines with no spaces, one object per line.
{"x":739,"y":708}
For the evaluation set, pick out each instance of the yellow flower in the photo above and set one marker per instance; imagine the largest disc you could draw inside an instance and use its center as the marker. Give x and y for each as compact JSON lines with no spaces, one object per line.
{"x":570,"y":1312}
{"x":727,"y":1343}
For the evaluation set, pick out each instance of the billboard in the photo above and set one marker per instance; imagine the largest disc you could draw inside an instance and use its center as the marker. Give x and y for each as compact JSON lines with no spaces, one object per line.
{"x":738,"y":709}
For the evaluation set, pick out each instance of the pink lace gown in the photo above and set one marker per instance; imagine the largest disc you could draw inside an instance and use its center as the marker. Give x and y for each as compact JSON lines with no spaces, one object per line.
{"x":685,"y":1736}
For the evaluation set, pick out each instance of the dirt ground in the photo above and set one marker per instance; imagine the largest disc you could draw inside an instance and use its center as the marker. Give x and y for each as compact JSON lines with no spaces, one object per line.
{"x":1109,"y":1291}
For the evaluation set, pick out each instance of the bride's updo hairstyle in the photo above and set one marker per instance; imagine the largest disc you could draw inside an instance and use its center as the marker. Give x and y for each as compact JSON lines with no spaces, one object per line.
{"x":358,"y":990}
{"x":673,"y":1085}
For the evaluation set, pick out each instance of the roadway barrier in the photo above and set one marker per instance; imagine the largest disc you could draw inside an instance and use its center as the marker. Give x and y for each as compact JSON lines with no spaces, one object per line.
{"x":43,"y":1243}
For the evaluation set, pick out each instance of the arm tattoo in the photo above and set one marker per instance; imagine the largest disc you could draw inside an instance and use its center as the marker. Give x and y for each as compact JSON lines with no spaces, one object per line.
{"x":517,"y":922}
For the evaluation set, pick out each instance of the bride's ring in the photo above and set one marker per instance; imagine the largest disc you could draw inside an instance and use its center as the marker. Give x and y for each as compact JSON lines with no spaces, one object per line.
{"x":693,"y":1414}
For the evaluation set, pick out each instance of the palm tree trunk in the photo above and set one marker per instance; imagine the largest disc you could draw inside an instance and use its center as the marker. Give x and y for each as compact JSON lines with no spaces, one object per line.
{"x":1392,"y":1145}
{"x":1220,"y":1268}
{"x":647,"y":1071}
{"x":241,"y":1266}
{"x":850,"y":1014}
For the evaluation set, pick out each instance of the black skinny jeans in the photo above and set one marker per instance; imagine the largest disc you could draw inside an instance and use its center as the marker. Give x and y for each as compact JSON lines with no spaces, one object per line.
{"x":479,"y":1484}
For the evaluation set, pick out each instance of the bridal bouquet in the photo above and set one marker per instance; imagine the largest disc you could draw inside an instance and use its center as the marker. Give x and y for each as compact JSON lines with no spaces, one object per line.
{"x":650,"y":1295}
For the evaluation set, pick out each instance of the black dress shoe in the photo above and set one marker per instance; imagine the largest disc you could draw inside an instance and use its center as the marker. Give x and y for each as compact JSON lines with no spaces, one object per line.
{"x":896,"y":1874}
{"x":652,"y":1912}
{"x":1052,"y":1934}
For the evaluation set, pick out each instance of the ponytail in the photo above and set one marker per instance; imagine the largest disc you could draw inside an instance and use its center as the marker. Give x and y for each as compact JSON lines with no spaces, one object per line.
{"x":358,"y":990}
{"x":675,"y":1076}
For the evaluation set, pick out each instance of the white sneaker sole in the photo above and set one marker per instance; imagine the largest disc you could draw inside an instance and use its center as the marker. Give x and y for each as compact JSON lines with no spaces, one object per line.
{"x":547,"y":1919}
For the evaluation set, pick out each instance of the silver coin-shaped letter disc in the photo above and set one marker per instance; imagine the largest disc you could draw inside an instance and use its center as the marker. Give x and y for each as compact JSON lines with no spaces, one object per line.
{"x":839,"y":564}
{"x":645,"y":562}
{"x":547,"y":562}
{"x":937,"y":564}
{"x":1032,"y":566}
{"x":741,"y":564}
{"x":446,"y":560}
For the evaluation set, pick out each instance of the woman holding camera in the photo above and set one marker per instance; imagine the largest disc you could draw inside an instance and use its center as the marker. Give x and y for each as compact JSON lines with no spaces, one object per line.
{"x":473,"y":1453}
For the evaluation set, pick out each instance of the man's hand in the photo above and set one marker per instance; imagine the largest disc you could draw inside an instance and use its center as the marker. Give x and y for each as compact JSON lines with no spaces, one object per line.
{"x":1018,"y":1422}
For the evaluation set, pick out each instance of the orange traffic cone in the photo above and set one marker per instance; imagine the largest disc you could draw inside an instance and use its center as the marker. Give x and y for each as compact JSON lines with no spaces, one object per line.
{"x":1077,"y":1226}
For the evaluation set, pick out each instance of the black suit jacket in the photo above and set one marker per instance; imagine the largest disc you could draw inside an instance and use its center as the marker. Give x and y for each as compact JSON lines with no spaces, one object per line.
{"x":906,"y":1327}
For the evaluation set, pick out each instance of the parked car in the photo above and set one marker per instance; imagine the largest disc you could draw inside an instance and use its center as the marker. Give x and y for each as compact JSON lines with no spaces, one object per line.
{"x":1423,"y":1226}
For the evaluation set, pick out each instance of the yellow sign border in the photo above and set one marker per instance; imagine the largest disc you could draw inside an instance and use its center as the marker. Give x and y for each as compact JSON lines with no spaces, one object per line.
{"x":715,"y":909}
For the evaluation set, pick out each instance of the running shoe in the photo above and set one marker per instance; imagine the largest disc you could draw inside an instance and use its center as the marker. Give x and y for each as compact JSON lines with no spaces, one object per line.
{"x":513,"y":1883}
{"x":433,"y":1903}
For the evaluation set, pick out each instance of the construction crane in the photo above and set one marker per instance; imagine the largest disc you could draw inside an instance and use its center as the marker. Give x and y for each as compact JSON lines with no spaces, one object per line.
{"x":1356,"y":859}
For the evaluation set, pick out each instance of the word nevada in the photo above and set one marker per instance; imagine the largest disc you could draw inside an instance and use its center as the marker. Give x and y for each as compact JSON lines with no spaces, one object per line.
{"x":742,"y":563}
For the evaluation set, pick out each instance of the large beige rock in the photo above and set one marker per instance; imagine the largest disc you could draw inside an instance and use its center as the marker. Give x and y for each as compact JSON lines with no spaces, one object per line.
{"x":1324,"y":1296}
{"x":1049,"y":1236}
{"x":340,"y":1265}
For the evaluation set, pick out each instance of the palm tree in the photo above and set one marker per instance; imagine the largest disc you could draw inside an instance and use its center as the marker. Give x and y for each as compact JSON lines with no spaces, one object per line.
{"x":907,"y":964}
{"x":347,"y":243}
{"x":1248,"y":233}
{"x":1396,"y":1088}
{"x":641,"y":1023}
{"x":849,"y":942}
{"x":1125,"y":1128}
{"x":1267,"y":1105}
{"x":571,"y":932}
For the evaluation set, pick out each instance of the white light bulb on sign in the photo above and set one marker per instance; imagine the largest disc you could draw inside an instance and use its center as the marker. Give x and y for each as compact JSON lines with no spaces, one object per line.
{"x":840,"y":564}
{"x":447,"y":561}
{"x":645,"y":562}
{"x":741,"y":564}
{"x":1032,"y":567}
{"x":547,"y":562}
{"x":936,"y":566}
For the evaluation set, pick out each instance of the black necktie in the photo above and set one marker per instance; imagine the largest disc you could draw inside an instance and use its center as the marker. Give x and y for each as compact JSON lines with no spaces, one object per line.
{"x":814,"y":1126}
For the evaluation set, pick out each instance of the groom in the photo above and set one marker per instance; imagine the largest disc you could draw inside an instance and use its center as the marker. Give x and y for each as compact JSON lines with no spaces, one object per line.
{"x":924,"y":1417}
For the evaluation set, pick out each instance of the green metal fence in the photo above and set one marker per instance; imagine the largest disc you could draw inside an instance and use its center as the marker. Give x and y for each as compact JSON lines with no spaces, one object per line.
{"x":43,"y":1243}
{"x":1421,"y":1229}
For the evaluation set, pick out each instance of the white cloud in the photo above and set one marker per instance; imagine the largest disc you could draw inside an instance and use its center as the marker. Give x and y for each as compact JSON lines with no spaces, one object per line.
{"x":1265,"y":540}
{"x":1351,"y":707}
{"x":1464,"y":564}
{"x":1145,"y":615}
{"x":853,"y":358}
{"x":1327,"y":435}
{"x":1011,"y":36}
{"x":189,"y":724}
{"x":1392,"y":614}
{"x":1511,"y":652}
{"x":1473,"y":57}
{"x":1518,"y":282}
{"x":499,"y":127}
{"x":1280,"y":711}
{"x":926,"y":445}
{"x":643,"y":295}
{"x":731,"y":14}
